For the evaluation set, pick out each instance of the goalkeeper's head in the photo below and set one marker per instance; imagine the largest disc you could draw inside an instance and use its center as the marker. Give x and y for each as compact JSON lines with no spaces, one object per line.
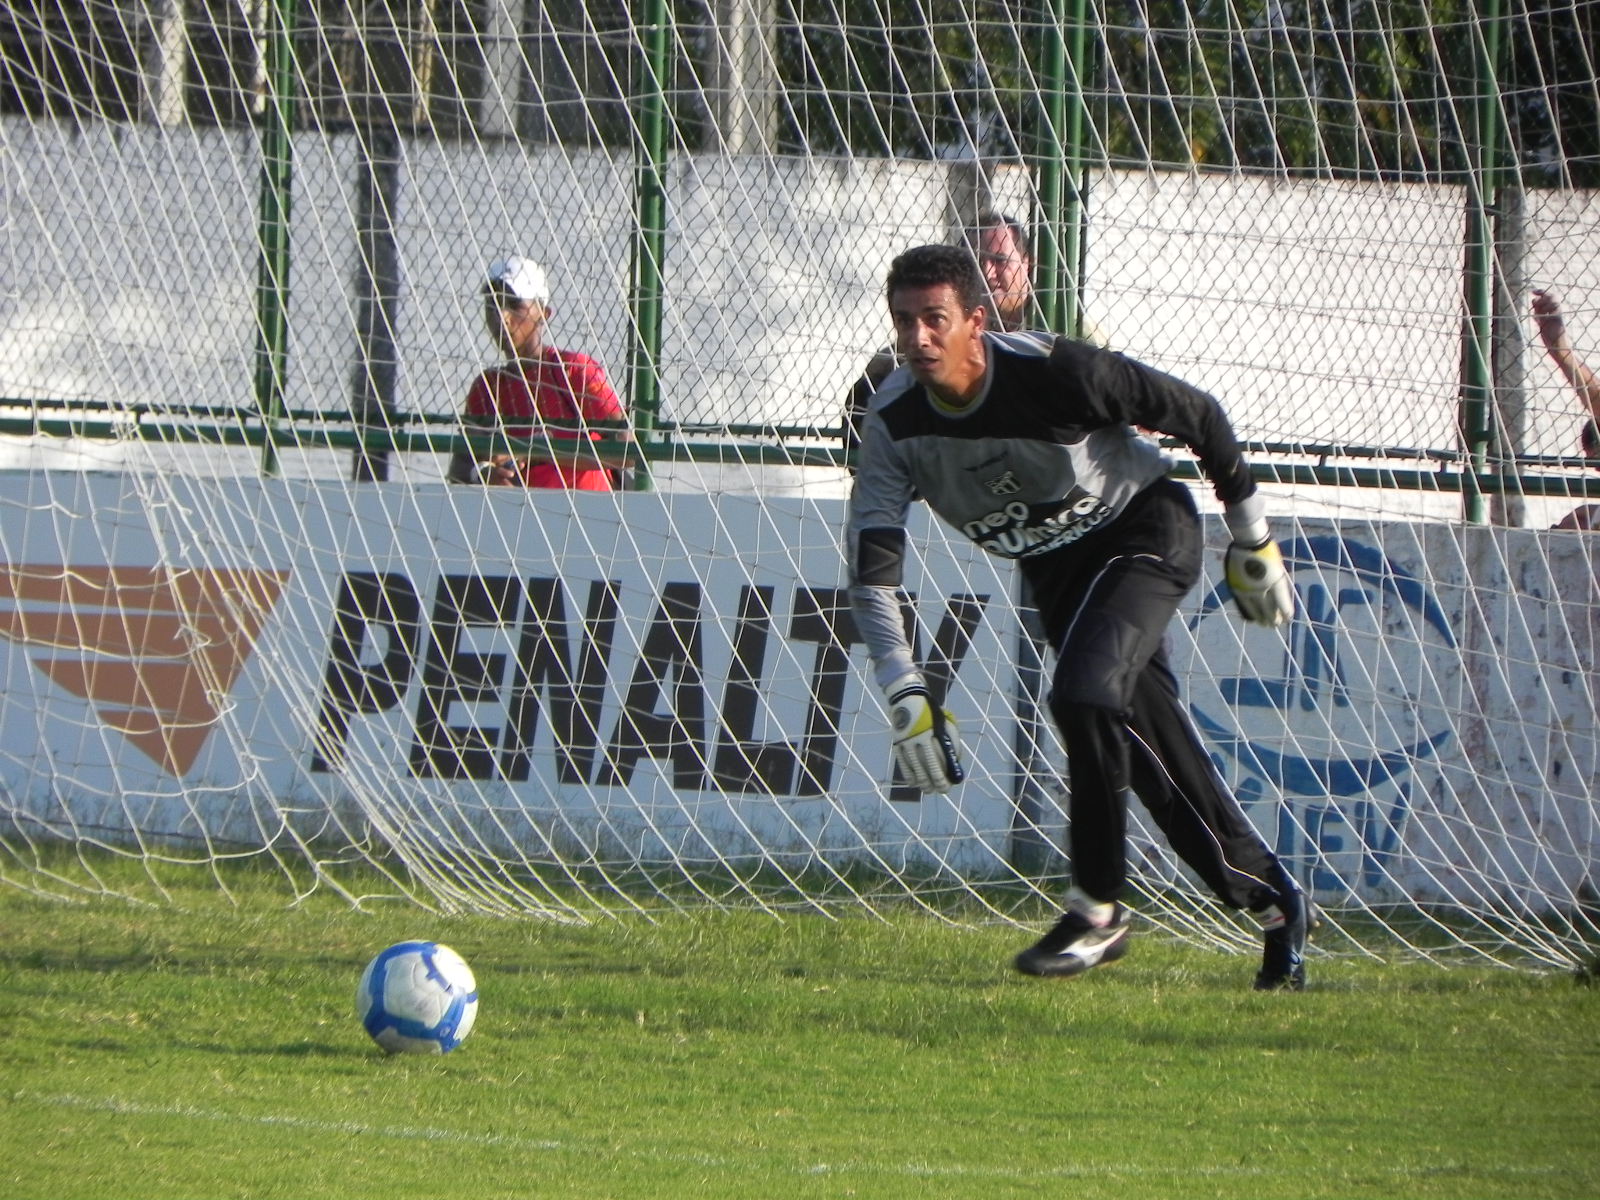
{"x":939,"y":304}
{"x":930,"y":266}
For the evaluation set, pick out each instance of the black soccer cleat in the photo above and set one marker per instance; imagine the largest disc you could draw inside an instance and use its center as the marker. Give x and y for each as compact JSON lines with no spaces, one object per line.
{"x":1283,"y":950}
{"x":1077,"y":942}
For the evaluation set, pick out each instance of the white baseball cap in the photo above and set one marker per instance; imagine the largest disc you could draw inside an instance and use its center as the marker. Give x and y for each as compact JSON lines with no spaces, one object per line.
{"x":521,"y":278}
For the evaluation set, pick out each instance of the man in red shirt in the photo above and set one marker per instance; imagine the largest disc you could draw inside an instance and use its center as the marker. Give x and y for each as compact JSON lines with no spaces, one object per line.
{"x":541,"y":392}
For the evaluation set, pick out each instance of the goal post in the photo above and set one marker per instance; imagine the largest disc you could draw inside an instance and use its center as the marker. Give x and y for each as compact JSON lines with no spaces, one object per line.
{"x":243,"y":613}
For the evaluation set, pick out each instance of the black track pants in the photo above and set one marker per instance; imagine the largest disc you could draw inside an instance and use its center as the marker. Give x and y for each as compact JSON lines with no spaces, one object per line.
{"x":1106,"y":603}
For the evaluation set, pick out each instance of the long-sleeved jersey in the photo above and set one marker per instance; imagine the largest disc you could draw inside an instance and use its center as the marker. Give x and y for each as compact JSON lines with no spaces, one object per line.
{"x":1048,"y":452}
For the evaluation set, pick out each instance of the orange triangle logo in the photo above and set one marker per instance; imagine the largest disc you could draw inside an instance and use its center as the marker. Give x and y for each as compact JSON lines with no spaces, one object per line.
{"x":155,"y":650}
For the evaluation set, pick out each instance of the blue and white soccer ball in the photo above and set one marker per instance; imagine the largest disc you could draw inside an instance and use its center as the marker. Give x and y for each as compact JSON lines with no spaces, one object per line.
{"x":418,"y":998}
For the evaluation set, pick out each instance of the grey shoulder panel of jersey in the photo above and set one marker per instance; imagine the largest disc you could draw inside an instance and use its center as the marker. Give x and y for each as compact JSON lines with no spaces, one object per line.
{"x":1033,"y":342}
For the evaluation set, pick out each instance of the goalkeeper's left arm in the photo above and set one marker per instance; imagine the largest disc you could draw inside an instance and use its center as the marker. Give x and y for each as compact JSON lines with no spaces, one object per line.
{"x":1253,"y":565}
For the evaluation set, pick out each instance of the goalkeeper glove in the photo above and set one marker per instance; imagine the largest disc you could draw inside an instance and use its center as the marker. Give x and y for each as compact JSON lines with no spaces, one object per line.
{"x":1260,"y":586}
{"x":926,"y":744}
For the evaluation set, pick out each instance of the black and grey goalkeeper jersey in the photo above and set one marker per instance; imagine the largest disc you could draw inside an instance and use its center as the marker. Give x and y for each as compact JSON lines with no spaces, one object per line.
{"x":1047,"y":453}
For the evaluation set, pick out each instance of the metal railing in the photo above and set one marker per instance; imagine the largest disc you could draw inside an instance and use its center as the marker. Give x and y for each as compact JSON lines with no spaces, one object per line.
{"x":1307,"y":464}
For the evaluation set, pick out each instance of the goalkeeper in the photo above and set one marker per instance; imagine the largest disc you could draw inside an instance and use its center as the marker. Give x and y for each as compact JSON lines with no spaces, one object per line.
{"x":1030,"y":445}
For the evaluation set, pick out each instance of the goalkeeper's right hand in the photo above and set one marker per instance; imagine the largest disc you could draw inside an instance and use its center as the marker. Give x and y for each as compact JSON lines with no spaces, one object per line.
{"x":926,"y":743}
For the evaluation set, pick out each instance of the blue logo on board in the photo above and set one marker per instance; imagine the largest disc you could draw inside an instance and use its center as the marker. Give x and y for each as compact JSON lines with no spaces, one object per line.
{"x":1349,"y":727}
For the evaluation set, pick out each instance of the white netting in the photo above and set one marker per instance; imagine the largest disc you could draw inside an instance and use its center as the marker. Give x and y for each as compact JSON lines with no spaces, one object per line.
{"x":211,"y":647}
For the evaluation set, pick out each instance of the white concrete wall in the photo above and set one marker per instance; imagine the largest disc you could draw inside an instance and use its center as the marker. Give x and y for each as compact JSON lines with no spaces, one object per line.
{"x":1319,"y":311}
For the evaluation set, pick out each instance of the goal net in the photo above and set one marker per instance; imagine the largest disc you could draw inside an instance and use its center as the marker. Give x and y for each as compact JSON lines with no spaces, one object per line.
{"x":246,"y":613}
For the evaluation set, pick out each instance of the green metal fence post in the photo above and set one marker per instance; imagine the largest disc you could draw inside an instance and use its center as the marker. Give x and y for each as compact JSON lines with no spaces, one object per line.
{"x":649,"y":235}
{"x":272,"y":269}
{"x":1062,"y":122}
{"x":1483,"y":185}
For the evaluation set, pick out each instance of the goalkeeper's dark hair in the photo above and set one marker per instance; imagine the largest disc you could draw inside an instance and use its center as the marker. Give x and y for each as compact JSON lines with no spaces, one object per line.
{"x":930,"y":266}
{"x":1589,"y":440}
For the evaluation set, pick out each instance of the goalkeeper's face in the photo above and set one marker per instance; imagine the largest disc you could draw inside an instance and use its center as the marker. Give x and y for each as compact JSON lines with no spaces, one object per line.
{"x":940,"y":340}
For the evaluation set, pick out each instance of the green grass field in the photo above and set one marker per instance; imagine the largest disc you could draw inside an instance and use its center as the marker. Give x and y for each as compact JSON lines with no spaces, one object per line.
{"x":202,"y":1049}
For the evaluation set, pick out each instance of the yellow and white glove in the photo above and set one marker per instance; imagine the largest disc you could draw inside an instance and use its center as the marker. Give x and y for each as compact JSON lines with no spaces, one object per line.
{"x":927,"y":745}
{"x":1253,"y":567}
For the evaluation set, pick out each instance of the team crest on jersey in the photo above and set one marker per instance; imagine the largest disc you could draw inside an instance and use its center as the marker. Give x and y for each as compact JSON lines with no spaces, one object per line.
{"x":1003,"y":485}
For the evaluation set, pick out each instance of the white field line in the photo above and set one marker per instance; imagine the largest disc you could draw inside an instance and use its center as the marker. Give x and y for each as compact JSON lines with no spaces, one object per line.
{"x":409,"y":1133}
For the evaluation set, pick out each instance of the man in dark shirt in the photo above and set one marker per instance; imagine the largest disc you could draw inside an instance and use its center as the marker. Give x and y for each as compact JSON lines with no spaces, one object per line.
{"x":1027,"y":443}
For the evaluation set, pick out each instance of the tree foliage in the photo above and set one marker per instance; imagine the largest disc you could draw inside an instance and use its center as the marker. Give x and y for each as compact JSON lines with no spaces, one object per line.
{"x":1385,"y":89}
